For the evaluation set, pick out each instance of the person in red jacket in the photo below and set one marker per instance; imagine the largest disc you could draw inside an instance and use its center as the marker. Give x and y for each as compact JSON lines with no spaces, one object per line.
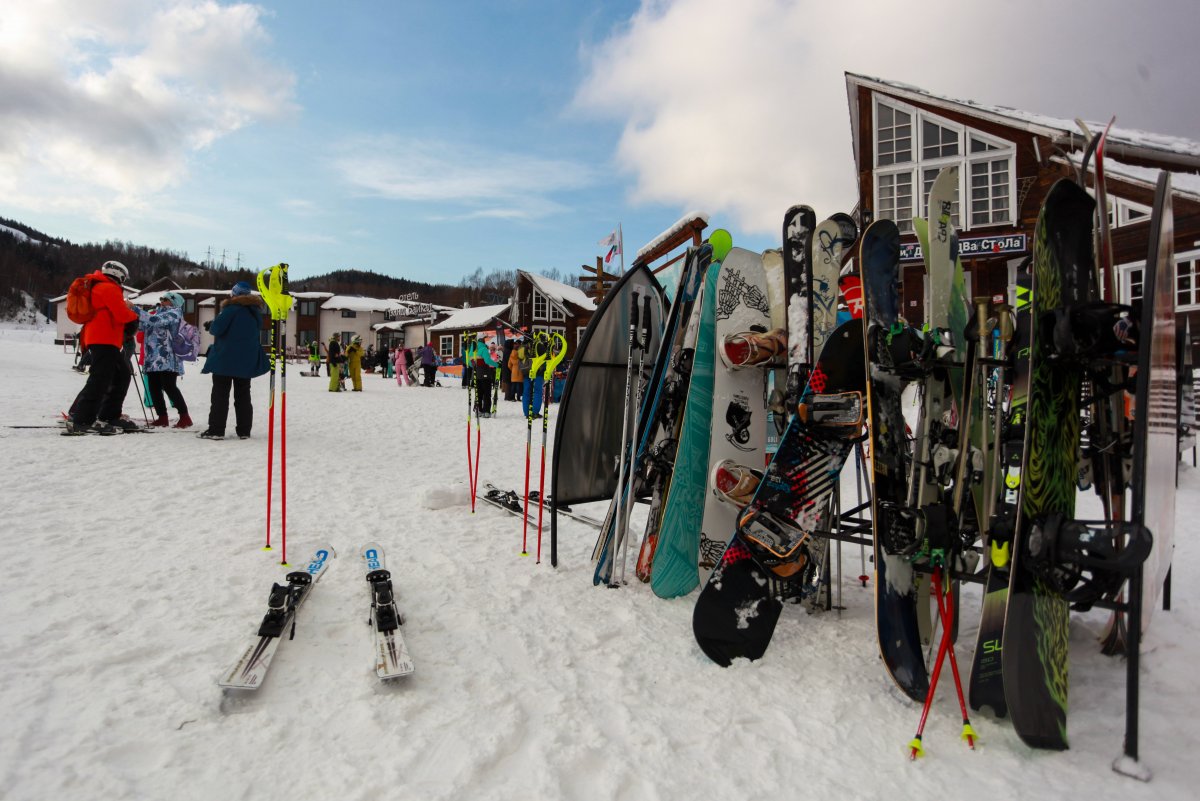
{"x":98,"y":406}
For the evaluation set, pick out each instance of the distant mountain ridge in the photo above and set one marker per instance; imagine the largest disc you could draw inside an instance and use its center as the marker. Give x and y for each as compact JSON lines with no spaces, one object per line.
{"x":43,"y":266}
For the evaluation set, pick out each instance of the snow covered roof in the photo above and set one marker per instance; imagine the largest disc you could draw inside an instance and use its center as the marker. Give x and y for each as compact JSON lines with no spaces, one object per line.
{"x":1121,"y":141}
{"x":673,"y":231}
{"x":561,"y":293}
{"x":359,"y":303}
{"x":311,"y":295}
{"x":1182,"y":183}
{"x":478,"y":317}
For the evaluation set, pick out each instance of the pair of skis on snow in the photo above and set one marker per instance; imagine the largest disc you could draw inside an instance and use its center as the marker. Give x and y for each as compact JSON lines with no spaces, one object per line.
{"x":391,"y":654}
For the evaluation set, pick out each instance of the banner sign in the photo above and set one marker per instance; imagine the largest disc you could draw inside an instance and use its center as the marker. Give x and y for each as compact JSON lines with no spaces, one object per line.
{"x":974,"y":246}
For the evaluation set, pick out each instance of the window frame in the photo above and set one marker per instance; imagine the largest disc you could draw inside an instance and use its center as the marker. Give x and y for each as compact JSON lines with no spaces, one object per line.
{"x":443,"y":340}
{"x":544,"y":302}
{"x":917,"y":166}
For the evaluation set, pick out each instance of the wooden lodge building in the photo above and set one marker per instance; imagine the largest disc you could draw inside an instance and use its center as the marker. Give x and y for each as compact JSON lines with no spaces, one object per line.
{"x":1009,"y":159}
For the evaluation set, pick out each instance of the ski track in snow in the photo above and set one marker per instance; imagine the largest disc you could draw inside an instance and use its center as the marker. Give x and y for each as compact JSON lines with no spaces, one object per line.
{"x":135,"y":574}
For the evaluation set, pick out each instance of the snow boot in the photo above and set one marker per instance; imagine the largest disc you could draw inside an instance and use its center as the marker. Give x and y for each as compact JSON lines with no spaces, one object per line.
{"x":161,"y":421}
{"x":184,"y":421}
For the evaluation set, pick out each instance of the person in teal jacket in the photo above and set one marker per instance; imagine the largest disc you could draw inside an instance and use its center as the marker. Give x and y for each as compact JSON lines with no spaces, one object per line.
{"x":236,"y":356}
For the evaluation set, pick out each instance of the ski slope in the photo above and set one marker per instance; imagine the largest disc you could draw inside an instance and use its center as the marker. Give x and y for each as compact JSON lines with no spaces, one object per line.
{"x":135,"y":574}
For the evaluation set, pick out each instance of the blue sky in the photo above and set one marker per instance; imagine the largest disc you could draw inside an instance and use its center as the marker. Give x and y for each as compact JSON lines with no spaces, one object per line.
{"x":426,"y":139}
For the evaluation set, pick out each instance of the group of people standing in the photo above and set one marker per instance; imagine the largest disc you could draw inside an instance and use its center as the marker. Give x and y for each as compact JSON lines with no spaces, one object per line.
{"x":108,"y":341}
{"x":350,"y":360}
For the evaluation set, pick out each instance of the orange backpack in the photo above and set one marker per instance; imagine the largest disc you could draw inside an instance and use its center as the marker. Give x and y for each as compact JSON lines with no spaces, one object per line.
{"x":79,"y":300}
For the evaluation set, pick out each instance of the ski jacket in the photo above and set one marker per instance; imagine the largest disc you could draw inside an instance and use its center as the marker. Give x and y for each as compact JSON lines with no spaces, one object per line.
{"x":428,"y":357}
{"x":525,"y":361}
{"x":237,"y":348}
{"x":334,"y":351}
{"x":107,"y":327}
{"x":158,"y":334}
{"x":514,"y":365}
{"x":354,"y":355}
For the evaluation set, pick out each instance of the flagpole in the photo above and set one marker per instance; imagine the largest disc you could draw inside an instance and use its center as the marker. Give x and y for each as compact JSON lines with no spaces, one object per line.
{"x":621,"y":245}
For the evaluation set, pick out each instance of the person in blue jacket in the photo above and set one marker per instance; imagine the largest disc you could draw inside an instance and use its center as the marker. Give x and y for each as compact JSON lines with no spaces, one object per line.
{"x":236,"y":356}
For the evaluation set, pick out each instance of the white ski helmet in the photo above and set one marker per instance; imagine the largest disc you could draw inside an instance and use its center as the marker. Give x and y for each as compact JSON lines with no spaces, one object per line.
{"x":114,"y":269}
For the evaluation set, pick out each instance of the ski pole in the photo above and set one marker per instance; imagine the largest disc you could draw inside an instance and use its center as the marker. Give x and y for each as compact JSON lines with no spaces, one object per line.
{"x":551,"y":364}
{"x":467,"y":348}
{"x":538,"y":358}
{"x":265,"y":291}
{"x":628,"y":448}
{"x":946,"y":609}
{"x":643,"y":347}
{"x":284,"y":303}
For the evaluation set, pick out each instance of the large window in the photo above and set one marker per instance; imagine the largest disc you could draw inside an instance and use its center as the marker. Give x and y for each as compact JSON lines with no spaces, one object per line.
{"x":446,"y":345}
{"x":541,"y":306}
{"x":1187,"y":281}
{"x":308,"y":308}
{"x":912,"y":147}
{"x":347,"y":313}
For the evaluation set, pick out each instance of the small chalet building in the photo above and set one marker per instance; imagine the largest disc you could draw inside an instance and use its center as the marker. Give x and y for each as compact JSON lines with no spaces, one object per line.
{"x":447,"y":336}
{"x":540,"y":304}
{"x":407,"y":325}
{"x":1009,"y":159}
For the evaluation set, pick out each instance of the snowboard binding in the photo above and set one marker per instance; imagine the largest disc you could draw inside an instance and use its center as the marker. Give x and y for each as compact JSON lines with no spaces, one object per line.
{"x":1082,"y":562}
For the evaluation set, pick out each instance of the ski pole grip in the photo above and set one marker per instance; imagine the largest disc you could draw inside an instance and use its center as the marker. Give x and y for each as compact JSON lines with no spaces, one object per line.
{"x":646,"y":322}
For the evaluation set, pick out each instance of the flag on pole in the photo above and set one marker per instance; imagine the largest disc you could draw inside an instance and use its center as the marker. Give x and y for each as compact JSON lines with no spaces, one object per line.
{"x":613,"y":243}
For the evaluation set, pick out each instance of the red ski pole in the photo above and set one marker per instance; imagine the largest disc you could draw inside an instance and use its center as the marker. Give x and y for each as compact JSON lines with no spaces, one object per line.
{"x":547,"y":393}
{"x":265,"y":291}
{"x":284,"y":302}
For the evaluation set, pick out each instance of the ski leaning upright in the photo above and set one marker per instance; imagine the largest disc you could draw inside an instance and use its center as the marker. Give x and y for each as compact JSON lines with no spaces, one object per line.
{"x":284,"y":602}
{"x":391,"y":654}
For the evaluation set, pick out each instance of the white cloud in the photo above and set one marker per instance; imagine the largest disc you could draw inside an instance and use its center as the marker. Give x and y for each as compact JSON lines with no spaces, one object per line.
{"x":482,"y":183}
{"x":742,"y":109}
{"x":102,"y":104}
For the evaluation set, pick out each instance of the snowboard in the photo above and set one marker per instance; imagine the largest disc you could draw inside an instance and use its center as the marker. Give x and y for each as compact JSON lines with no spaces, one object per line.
{"x":890,"y":347}
{"x":1034,"y":648}
{"x":736,"y":612}
{"x":660,"y":463}
{"x":798,"y":225}
{"x":673,"y":571}
{"x":739,"y":413}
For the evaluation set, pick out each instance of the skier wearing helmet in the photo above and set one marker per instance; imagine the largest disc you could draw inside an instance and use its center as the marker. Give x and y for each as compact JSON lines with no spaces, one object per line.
{"x":97,"y":408}
{"x":162,"y":365}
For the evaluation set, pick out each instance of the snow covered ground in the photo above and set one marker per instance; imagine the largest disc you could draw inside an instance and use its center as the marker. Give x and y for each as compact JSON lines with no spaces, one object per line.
{"x":136,"y":573}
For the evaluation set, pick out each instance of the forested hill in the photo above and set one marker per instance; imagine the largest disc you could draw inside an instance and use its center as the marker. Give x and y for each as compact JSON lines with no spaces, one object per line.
{"x":44,"y":265}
